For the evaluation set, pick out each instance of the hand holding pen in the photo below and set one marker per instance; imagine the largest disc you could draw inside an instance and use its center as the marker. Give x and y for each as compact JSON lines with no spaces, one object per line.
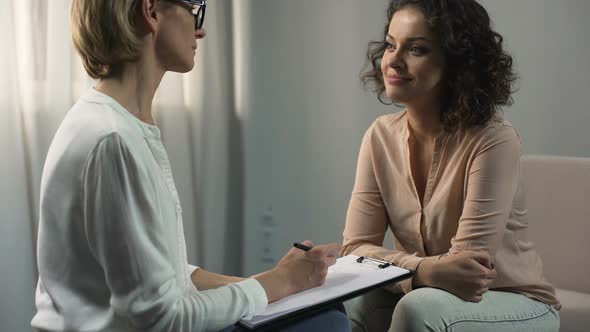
{"x":316,"y":258}
{"x":330,"y":251}
{"x":304,"y":266}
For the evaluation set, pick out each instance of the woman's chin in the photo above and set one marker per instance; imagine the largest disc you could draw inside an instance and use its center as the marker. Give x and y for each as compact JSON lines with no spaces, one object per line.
{"x":183,"y":68}
{"x":398,"y":98}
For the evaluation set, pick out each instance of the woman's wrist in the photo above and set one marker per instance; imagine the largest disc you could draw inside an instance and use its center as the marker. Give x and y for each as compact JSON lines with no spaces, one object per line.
{"x":204,"y":280}
{"x":425,"y":273}
{"x":276,"y":284}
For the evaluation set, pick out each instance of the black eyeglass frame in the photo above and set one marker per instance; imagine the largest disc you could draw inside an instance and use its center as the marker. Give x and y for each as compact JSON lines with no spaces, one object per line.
{"x":200,"y":15}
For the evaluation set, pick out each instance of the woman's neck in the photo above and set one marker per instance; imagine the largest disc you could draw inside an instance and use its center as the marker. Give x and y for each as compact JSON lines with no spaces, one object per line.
{"x":424,"y":123}
{"x":135,"y":87}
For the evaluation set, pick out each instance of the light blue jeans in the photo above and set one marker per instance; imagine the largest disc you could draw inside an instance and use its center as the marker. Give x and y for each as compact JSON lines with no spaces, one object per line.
{"x":435,"y":310}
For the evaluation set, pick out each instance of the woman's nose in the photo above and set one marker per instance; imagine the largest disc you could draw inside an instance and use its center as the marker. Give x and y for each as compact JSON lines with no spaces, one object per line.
{"x":395,"y":59}
{"x":200,"y":33}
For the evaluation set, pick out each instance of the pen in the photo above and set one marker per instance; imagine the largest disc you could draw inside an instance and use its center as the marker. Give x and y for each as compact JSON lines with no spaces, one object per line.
{"x":301,"y":246}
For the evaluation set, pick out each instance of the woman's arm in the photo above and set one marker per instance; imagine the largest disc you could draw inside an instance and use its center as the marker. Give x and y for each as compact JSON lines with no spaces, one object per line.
{"x":367,"y":219}
{"x":467,"y":274}
{"x":467,"y":270}
{"x":126,"y":235}
{"x":204,"y":279}
{"x":491,"y":187}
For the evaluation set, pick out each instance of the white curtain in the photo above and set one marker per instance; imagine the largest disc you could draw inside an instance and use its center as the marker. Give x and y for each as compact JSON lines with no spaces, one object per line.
{"x":41,"y":77}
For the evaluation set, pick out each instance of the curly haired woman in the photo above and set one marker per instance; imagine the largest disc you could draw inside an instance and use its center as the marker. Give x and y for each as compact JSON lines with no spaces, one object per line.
{"x":443,"y":175}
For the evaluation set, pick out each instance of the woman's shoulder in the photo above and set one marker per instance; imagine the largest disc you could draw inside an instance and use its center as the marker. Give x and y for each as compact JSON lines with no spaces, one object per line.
{"x":389,"y":124}
{"x":95,"y":116}
{"x":391,"y":120}
{"x":498,"y":128}
{"x":91,"y":121}
{"x":497,"y":131}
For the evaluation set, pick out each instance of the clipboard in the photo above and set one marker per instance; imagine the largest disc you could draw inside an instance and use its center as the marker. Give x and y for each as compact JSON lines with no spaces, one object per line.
{"x":350,"y":277}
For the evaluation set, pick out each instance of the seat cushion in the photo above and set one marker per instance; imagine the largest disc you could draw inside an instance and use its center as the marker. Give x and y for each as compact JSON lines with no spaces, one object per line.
{"x":575,"y":311}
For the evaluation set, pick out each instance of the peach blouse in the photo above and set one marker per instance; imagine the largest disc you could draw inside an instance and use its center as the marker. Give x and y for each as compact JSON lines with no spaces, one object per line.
{"x":473,"y":201}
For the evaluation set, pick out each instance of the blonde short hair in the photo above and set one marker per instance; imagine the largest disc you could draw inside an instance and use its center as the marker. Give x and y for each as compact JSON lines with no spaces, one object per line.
{"x":104,"y":33}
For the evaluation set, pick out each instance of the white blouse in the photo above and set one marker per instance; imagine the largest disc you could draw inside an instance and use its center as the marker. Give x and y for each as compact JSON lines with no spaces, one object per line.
{"x":111,"y":248}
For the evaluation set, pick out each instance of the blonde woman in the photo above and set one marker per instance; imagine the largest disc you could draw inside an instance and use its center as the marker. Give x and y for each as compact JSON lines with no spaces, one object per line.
{"x":111,"y":252}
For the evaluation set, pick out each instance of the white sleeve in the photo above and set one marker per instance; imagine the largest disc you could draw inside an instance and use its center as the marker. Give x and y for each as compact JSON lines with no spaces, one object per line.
{"x":191,"y":268}
{"x":125,"y":234}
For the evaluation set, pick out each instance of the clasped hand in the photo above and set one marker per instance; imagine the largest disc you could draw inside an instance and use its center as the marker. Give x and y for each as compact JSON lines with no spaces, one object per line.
{"x":467,"y":274}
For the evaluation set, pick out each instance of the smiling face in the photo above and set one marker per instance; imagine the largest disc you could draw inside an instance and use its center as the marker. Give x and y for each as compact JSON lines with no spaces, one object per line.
{"x":176,"y":39}
{"x":413,"y":61}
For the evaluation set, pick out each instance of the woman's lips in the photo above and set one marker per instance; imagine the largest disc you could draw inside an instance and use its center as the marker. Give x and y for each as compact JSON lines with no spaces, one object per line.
{"x":397,"y":80}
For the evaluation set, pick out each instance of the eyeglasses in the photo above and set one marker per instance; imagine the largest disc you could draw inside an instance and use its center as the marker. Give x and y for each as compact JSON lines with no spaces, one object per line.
{"x":198,"y":13}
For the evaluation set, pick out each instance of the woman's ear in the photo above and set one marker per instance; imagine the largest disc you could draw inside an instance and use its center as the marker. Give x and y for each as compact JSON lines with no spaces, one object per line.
{"x":149,"y":15}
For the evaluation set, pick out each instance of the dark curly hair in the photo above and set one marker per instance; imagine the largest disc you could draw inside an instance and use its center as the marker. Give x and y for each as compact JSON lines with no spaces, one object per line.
{"x":479,"y":75}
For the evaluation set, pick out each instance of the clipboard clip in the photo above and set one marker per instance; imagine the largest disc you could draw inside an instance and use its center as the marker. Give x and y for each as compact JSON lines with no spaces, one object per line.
{"x":380,"y":263}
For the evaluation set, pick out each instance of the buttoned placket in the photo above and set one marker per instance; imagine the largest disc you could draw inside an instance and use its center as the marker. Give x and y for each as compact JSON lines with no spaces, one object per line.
{"x":159,"y":153}
{"x":434,"y":165}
